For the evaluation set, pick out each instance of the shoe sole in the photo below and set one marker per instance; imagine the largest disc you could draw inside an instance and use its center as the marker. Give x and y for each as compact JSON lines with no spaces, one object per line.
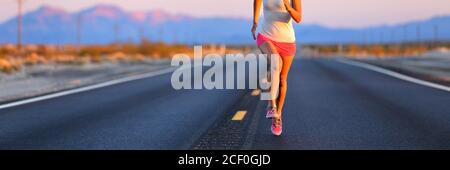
{"x":276,"y":134}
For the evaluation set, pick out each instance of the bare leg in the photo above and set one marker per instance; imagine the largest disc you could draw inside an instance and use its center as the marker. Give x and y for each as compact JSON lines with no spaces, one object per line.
{"x":269,"y":49}
{"x":287,"y":62}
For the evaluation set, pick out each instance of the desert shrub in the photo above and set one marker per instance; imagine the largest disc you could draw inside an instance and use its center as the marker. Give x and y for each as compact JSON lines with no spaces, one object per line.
{"x":354,"y":50}
{"x":117,"y":56}
{"x":377,"y":50}
{"x":33,"y":59}
{"x":9,"y":66}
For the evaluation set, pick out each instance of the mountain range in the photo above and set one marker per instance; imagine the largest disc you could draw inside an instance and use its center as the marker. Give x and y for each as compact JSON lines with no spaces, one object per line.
{"x":104,"y":24}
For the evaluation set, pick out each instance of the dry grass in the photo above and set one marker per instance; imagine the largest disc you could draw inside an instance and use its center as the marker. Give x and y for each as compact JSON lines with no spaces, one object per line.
{"x":376,"y":50}
{"x":9,"y":65}
{"x":12,"y":59}
{"x":33,"y":59}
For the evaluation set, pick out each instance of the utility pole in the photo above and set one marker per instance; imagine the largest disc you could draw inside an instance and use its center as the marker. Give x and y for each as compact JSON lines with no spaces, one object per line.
{"x":142,"y":35}
{"x":392,"y":36}
{"x":186,"y":37}
{"x":364,"y":39}
{"x":405,"y":34}
{"x":161,"y":34}
{"x":381,"y":37}
{"x":79,"y":20}
{"x":418,"y":34}
{"x":175,"y":38}
{"x":19,"y":25}
{"x":436,"y":33}
{"x":116,"y":33}
{"x":405,"y":39}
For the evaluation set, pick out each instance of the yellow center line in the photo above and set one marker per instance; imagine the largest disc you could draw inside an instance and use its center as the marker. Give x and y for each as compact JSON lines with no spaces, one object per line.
{"x":239,"y":115}
{"x":256,"y":92}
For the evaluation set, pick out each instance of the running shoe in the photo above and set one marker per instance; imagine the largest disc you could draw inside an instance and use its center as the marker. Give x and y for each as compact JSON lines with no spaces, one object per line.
{"x":271,"y":112}
{"x":277,"y":126}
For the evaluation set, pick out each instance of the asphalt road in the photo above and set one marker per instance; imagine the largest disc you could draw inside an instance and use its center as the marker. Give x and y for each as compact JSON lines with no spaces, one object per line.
{"x":330,"y":105}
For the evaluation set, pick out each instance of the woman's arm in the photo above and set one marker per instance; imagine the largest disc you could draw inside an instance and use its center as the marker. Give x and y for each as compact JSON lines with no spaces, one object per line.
{"x":294,"y":9}
{"x":256,"y":12}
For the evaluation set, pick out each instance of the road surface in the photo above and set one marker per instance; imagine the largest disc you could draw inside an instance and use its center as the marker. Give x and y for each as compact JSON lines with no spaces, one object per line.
{"x":330,"y":105}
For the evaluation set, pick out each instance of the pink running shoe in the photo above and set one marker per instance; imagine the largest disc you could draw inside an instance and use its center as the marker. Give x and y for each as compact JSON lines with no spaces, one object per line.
{"x":271,"y":112}
{"x":277,"y":126}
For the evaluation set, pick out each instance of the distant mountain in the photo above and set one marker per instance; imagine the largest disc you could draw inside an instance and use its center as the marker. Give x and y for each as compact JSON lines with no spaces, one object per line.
{"x":103,"y":24}
{"x":433,"y":29}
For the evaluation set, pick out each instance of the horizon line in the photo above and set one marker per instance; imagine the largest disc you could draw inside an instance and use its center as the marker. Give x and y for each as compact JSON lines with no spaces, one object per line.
{"x":230,"y":17}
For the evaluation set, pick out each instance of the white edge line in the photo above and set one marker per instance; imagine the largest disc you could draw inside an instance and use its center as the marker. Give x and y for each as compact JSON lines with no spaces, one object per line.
{"x":87,"y":88}
{"x":394,"y":74}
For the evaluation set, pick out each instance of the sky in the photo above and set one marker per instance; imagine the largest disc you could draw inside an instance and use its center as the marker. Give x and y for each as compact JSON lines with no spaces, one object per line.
{"x":331,"y":13}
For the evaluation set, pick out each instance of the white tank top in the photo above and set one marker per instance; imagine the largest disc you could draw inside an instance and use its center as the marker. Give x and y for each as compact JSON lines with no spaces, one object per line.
{"x":277,"y":22}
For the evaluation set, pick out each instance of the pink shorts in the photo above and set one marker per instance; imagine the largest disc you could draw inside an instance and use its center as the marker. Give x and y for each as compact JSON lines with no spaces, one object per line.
{"x":284,"y":49}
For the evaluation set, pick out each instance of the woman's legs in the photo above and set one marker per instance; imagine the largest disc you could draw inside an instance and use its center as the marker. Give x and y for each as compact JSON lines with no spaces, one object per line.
{"x":287,"y":62}
{"x":269,"y":49}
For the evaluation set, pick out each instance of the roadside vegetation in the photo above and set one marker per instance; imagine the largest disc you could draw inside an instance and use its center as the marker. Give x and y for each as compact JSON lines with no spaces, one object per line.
{"x":12,"y":59}
{"x":374,"y":50}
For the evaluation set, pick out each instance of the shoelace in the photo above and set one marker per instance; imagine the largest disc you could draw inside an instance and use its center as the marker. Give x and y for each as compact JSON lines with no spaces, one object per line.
{"x":277,"y":122}
{"x":272,"y":110}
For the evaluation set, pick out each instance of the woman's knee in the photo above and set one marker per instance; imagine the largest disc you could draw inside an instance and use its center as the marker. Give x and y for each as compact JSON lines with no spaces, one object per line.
{"x":276,"y":69}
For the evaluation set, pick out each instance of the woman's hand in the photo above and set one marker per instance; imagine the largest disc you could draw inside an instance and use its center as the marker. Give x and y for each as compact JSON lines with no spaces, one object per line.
{"x":255,"y":25}
{"x":256,"y":11}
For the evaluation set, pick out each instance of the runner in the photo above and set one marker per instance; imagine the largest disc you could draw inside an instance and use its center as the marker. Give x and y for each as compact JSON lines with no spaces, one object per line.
{"x":276,"y":38}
